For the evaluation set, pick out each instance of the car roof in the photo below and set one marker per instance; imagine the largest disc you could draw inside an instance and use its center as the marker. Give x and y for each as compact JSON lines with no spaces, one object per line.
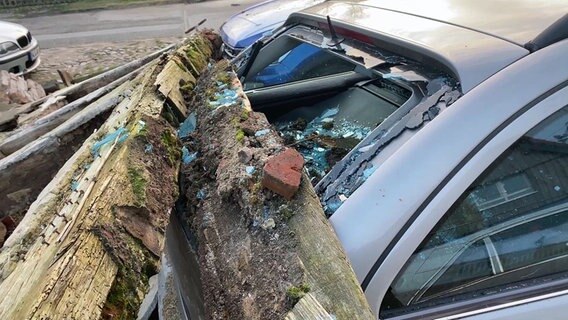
{"x":471,"y":52}
{"x":518,"y":22}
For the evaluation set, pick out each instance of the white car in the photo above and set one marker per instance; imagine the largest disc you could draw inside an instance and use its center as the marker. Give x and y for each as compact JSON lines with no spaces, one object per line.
{"x":19,"y":51}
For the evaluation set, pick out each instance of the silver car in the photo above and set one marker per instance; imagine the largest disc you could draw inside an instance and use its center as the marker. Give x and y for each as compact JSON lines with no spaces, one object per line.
{"x":436,"y":136}
{"x":19,"y":51}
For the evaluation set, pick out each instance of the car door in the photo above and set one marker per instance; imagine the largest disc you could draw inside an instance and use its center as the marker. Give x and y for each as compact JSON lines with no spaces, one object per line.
{"x":509,"y":200}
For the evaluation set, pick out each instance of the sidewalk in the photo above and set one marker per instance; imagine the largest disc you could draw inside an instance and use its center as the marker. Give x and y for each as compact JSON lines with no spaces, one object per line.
{"x":90,"y":59}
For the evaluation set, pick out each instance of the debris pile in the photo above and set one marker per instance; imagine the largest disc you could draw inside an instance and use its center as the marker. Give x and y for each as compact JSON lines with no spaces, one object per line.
{"x":99,"y":174}
{"x":323,"y":141}
{"x":17,"y":90}
{"x":99,"y":178}
{"x":259,"y":227}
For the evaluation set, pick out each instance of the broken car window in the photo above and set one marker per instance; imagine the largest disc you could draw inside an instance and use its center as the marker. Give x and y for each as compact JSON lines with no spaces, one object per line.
{"x":302,"y":61}
{"x":327,"y":131}
{"x":325,"y":102}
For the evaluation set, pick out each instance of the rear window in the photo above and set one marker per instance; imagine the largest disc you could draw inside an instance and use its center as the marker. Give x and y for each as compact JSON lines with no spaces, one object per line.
{"x":335,"y":99}
{"x":303,"y":61}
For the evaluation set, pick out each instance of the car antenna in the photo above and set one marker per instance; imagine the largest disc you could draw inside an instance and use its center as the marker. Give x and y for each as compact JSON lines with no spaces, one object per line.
{"x":335,"y":40}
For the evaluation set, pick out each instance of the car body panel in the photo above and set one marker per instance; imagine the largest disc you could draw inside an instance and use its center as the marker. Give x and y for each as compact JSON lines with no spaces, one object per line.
{"x":11,"y":31}
{"x":441,"y":203}
{"x":373,"y":216}
{"x":247,"y":26}
{"x":518,"y":23}
{"x":471,"y":56}
{"x":549,"y":307}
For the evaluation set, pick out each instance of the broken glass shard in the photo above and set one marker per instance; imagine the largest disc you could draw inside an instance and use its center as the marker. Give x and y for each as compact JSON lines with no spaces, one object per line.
{"x":188,"y":126}
{"x":187,"y":157}
{"x":262,"y":132}
{"x":250,"y":170}
{"x":119,"y":135}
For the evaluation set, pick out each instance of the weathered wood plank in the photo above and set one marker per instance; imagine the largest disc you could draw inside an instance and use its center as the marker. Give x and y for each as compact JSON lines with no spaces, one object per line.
{"x":171,"y":80}
{"x":32,"y":167}
{"x":88,"y":242}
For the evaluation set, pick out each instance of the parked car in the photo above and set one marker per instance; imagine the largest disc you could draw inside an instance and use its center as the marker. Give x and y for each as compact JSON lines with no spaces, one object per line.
{"x":244,"y":28}
{"x":445,"y":208}
{"x":436,"y":136}
{"x":19,"y":51}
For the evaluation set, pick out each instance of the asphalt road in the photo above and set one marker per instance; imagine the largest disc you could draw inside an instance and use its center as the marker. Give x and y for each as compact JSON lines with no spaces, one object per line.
{"x":129,"y":24}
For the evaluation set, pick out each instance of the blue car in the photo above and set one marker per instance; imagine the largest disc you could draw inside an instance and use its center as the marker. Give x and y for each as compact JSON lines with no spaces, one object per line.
{"x":249,"y":25}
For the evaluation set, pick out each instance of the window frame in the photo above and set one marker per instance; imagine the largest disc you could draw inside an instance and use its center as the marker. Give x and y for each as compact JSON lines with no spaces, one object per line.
{"x":493,"y":255}
{"x":445,"y":195}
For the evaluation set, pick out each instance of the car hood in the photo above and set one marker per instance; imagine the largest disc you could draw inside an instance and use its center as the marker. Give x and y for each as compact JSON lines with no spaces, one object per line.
{"x":245,"y":27}
{"x":11,"y":31}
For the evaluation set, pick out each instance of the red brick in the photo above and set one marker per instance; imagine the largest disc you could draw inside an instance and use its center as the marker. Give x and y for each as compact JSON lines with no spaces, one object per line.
{"x":3,"y":234}
{"x":283,"y":173}
{"x":9,"y":222}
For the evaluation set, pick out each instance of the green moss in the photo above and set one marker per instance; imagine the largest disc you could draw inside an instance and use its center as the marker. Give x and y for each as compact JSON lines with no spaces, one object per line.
{"x":195,"y":57}
{"x":138,"y":184}
{"x":171,"y":143}
{"x":224,"y":77}
{"x":295,"y":293}
{"x":236,"y":121}
{"x":143,"y":132}
{"x":187,"y":88}
{"x":122,"y":301}
{"x":245,"y":115}
{"x":240,"y":135}
{"x":286,"y":213}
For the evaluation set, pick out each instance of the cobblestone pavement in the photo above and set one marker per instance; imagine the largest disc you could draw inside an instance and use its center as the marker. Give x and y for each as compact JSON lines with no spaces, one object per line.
{"x":90,"y":59}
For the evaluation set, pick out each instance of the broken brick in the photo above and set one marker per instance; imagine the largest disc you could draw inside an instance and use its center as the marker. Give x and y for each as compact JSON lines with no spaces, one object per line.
{"x":283,"y":173}
{"x":3,"y":234}
{"x":10,"y":224}
{"x":245,"y":155}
